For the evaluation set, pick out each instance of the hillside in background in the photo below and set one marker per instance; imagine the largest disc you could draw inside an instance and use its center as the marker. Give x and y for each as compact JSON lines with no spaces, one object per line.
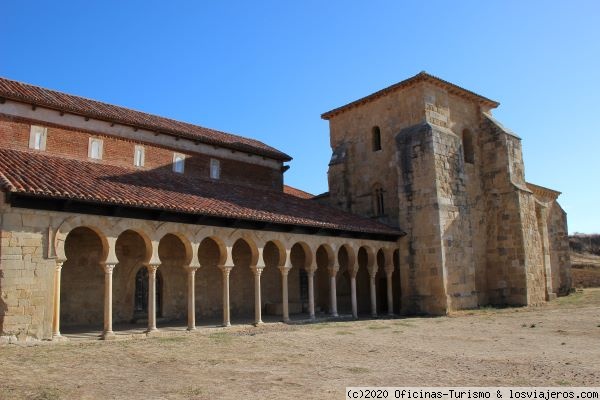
{"x":585,"y":260}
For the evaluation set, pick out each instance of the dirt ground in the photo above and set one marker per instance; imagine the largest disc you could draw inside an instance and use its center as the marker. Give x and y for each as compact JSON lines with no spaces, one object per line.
{"x":553,"y":345}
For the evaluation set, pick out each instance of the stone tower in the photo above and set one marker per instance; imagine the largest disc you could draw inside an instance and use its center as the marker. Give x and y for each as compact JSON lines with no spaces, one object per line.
{"x":426,"y":156}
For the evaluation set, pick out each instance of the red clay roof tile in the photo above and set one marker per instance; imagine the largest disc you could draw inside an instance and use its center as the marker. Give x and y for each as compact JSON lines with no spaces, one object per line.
{"x":94,"y":109}
{"x":46,"y":176}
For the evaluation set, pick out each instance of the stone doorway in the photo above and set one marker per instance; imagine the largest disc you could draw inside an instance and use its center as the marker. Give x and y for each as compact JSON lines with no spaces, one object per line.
{"x":140,"y":311}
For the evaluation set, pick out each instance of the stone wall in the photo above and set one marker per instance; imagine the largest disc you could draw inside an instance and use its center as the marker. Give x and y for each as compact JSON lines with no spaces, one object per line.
{"x":473,"y":234}
{"x":559,"y":250}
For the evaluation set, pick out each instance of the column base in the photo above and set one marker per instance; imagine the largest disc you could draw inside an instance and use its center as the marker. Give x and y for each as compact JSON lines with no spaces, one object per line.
{"x":151,"y":331}
{"x":191,"y":328}
{"x":373,"y":315}
{"x":57,"y":337}
{"x":335,"y":315}
{"x":312,"y":317}
{"x":285,"y":320}
{"x":110,"y":335}
{"x":391,"y":315}
{"x":226,"y":325}
{"x":258,"y":323}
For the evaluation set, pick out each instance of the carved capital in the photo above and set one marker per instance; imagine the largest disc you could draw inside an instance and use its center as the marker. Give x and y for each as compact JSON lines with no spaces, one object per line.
{"x":226,"y":269}
{"x":152,"y":268}
{"x":108,"y":268}
{"x":257,"y":270}
{"x":59,"y":265}
{"x":284,"y":269}
{"x":333,"y":271}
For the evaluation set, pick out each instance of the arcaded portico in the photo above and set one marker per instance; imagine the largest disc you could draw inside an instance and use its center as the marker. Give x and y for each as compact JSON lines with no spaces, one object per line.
{"x":208,"y":270}
{"x":115,"y":216}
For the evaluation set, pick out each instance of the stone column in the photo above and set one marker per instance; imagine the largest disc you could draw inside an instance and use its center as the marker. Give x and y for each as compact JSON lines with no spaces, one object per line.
{"x":284,"y":293}
{"x":310,"y":273}
{"x":332,"y":290}
{"x":372,"y":275}
{"x":226,"y":269}
{"x":56,"y":309}
{"x":353,"y":293}
{"x":257,"y":301}
{"x":108,"y":333}
{"x":191,"y":320}
{"x":390,"y":296}
{"x":152,"y":297}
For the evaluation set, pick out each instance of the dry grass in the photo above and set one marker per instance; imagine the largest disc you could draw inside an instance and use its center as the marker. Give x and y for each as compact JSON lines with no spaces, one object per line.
{"x":556,"y":344}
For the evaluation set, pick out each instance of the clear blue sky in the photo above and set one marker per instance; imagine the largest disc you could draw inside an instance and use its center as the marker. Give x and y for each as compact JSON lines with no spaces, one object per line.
{"x":268,"y":69}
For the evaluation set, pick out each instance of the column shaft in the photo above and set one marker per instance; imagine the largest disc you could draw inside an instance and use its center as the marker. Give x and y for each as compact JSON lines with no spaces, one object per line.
{"x":353,"y":295}
{"x":390,"y":295}
{"x":373,"y":295}
{"x":226,"y":311}
{"x":284,"y":293}
{"x":257,"y":296}
{"x":56,"y":308}
{"x":191,"y":299}
{"x":311,"y":293}
{"x":332,"y":291}
{"x":108,"y":281}
{"x":152,"y":297}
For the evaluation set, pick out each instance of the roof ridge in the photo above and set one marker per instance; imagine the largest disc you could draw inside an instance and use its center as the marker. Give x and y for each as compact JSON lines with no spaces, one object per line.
{"x":396,"y":86}
{"x":18,"y":90}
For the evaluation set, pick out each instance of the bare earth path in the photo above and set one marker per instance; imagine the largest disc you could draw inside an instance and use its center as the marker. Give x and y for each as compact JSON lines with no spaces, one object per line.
{"x":553,"y":345}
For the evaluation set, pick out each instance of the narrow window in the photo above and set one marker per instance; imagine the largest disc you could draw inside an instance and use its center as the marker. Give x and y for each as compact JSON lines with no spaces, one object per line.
{"x":95,"y":149}
{"x":378,"y":205}
{"x":376,"y":138}
{"x":138,"y":156}
{"x":37,"y":138}
{"x":178,"y":163}
{"x":215,"y":169}
{"x":468,"y":150}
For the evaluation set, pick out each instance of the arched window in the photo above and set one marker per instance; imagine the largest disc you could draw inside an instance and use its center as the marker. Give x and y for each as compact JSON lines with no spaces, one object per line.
{"x":376,"y":138}
{"x":468,"y":150}
{"x":378,"y":205}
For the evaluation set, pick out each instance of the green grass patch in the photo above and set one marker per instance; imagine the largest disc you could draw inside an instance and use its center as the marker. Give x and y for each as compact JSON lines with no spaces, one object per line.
{"x":376,"y":327}
{"x":221,"y":337}
{"x":344,"y":333}
{"x":358,"y":370}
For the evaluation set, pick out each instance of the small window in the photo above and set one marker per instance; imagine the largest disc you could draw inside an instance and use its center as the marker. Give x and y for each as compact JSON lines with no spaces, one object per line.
{"x":376,"y":138}
{"x":378,"y":205}
{"x":178,"y":163}
{"x":37,"y":137}
{"x":95,"y":149}
{"x":215,"y":168}
{"x":138,"y":156}
{"x":468,"y":150}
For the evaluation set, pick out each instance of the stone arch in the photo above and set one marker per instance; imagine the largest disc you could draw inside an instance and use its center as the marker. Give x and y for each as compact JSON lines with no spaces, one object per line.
{"x":365,"y":259}
{"x":244,"y":254}
{"x":274,"y":255}
{"x":82,"y":278}
{"x":381,"y":281}
{"x":175,"y":253}
{"x":325,"y":259}
{"x":212,"y":253}
{"x":346,"y":257}
{"x":70,"y":224}
{"x":133,"y":250}
{"x":165,"y":230}
{"x":301,"y":258}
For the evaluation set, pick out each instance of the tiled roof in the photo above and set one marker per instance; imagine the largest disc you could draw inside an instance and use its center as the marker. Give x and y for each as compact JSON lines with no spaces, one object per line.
{"x":421,"y":76}
{"x":297,"y":192}
{"x":30,"y":94}
{"x":41,"y":175}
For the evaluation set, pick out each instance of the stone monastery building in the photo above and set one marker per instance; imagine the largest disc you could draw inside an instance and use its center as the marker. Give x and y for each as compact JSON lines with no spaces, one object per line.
{"x":110,"y":215}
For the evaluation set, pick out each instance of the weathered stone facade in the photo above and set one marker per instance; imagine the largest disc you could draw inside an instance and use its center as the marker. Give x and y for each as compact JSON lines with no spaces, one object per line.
{"x":453,"y":178}
{"x":450,"y":221}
